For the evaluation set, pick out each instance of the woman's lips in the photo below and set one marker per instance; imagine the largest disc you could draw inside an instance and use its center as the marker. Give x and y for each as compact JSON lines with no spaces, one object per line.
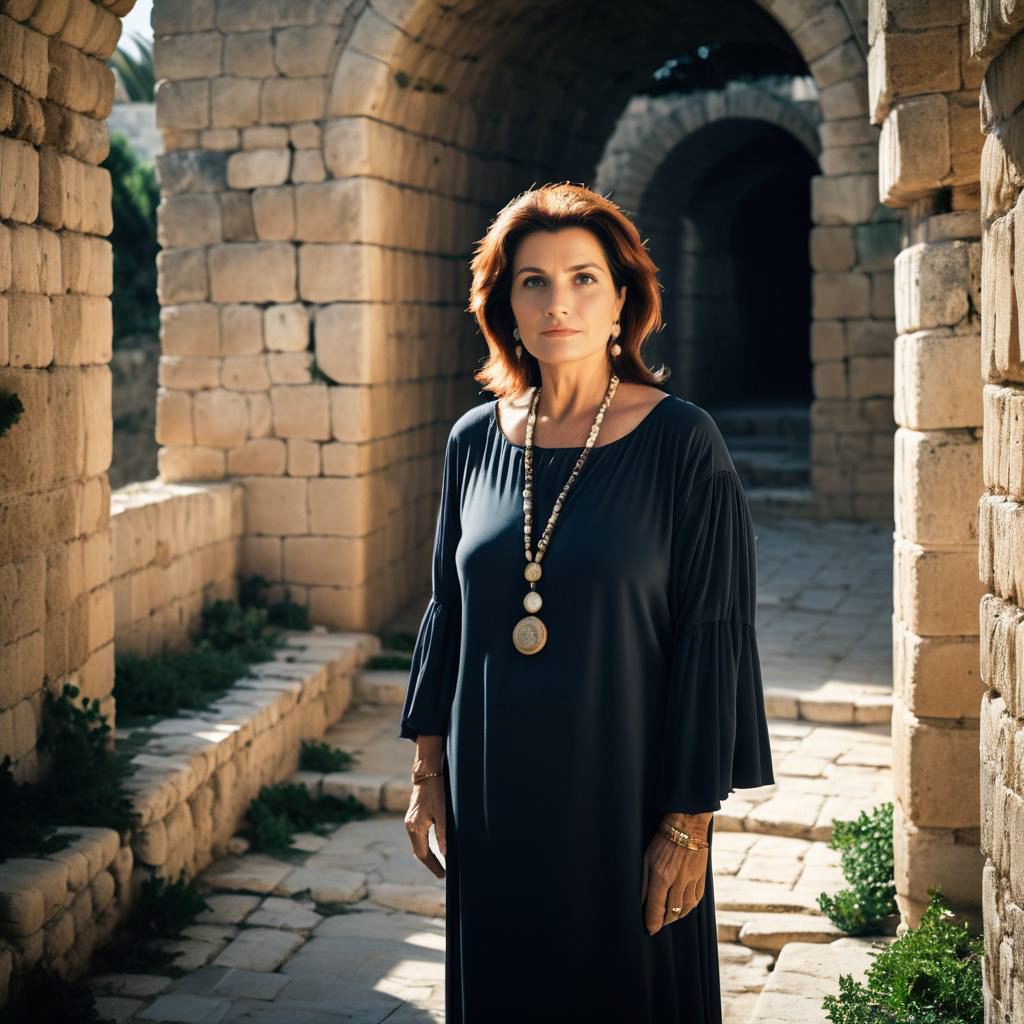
{"x":561,"y":330}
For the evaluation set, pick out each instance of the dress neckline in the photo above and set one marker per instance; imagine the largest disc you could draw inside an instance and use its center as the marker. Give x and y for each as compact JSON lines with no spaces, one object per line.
{"x":579,"y":447}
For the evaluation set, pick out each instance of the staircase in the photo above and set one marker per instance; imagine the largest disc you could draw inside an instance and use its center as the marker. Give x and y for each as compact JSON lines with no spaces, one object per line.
{"x":770,"y":446}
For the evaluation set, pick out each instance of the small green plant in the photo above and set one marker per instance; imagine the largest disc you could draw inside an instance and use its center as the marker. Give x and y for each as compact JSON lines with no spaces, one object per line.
{"x":930,"y":975}
{"x":25,"y":830}
{"x":229,"y":639}
{"x":163,"y":910}
{"x":44,"y":997}
{"x":285,"y":613}
{"x":322,"y":757}
{"x":282,"y":810}
{"x":867,"y":861}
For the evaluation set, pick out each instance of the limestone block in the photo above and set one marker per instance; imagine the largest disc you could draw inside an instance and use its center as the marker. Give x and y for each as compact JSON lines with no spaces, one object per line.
{"x":29,"y":330}
{"x":287,"y":100}
{"x":303,"y":458}
{"x":344,"y":506}
{"x":937,"y":677}
{"x":828,"y":340}
{"x":249,"y":54}
{"x":1003,"y":435}
{"x":935,"y":770}
{"x":832,"y":248}
{"x":187,"y":55}
{"x":842,"y":199}
{"x":252,"y":272}
{"x":912,"y":63}
{"x":220,"y":418}
{"x":86,"y":264}
{"x":1001,"y":627}
{"x":182,"y":275}
{"x":330,"y":211}
{"x":354,"y":413}
{"x":191,"y":329}
{"x":82,"y":329}
{"x":241,"y":329}
{"x":35,"y":260}
{"x":256,"y":167}
{"x":1000,"y":340}
{"x":936,"y":593}
{"x":191,"y":171}
{"x":19,"y":180}
{"x":841,"y":295}
{"x":276,"y":507}
{"x":245,"y":373}
{"x":261,"y":415}
{"x":258,"y":457}
{"x":259,"y":949}
{"x":236,"y":217}
{"x":188,"y":373}
{"x":286,"y":327}
{"x":173,"y":417}
{"x":305,"y":136}
{"x":58,"y":937}
{"x":933,"y":285}
{"x":290,"y":367}
{"x":103,"y":889}
{"x":308,"y":166}
{"x":303,"y":50}
{"x":339,"y":273}
{"x":219,"y":138}
{"x":184,"y":104}
{"x":966,"y":142}
{"x":188,"y":220}
{"x":870,"y":376}
{"x":357,"y":80}
{"x":79,"y":82}
{"x":273,"y":211}
{"x":31,"y":891}
{"x":847,"y":98}
{"x":265,"y":136}
{"x":302,"y":411}
{"x":234,"y":102}
{"x":934,"y":379}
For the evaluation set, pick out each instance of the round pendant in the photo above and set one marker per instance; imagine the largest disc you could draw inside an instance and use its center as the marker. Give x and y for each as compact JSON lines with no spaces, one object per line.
{"x":529,"y":635}
{"x":532,"y":602}
{"x":532,"y":571}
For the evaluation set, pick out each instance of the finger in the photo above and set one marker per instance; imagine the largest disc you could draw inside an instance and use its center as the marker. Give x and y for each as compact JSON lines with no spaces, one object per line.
{"x":643,"y":887}
{"x":676,"y":896}
{"x":421,"y":847}
{"x":434,"y":864}
{"x":689,"y":900}
{"x":654,"y":914}
{"x":441,"y":831}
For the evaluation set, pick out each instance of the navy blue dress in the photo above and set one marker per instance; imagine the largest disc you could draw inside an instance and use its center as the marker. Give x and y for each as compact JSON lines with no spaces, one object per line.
{"x":646,"y":698}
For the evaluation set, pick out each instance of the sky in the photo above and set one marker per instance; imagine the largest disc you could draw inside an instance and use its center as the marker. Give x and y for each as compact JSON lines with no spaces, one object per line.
{"x":136,"y":22}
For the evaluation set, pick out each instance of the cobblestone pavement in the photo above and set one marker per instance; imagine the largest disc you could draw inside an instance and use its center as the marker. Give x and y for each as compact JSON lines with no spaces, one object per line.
{"x":351,"y":926}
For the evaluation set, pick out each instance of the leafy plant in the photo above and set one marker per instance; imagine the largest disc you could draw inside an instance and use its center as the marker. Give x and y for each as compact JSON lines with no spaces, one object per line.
{"x":229,"y":639}
{"x":322,"y":757}
{"x":285,"y":613}
{"x":44,"y":997}
{"x":135,"y":71}
{"x":930,"y":975}
{"x":280,"y":811}
{"x":11,"y":409}
{"x":867,"y":862}
{"x":25,"y":830}
{"x":135,"y":196}
{"x":163,"y":910}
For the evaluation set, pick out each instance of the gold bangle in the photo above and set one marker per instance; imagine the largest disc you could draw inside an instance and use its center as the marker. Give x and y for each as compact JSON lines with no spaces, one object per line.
{"x":681,"y":838}
{"x":425,"y":775}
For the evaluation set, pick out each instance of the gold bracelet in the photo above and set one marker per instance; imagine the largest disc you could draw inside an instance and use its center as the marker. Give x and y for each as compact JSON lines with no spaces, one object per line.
{"x":425,"y":775}
{"x":681,"y":838}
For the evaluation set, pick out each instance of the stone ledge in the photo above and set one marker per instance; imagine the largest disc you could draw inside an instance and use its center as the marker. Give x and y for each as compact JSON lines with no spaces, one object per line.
{"x":196,"y":773}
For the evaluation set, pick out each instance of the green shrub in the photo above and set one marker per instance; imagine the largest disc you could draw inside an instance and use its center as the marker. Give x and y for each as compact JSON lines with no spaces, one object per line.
{"x":285,"y":613}
{"x":230,"y":638}
{"x":930,"y":975}
{"x":11,"y":408}
{"x":162,"y":911}
{"x":44,"y":997}
{"x":282,"y":810}
{"x":867,"y":861}
{"x":322,"y":757}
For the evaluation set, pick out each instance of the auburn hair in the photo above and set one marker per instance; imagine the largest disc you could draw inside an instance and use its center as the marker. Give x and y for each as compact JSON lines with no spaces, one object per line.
{"x":549,"y":208}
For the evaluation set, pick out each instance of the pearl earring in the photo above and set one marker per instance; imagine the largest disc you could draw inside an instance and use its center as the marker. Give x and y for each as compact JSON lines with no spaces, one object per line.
{"x":616,"y":348}
{"x":519,"y":348}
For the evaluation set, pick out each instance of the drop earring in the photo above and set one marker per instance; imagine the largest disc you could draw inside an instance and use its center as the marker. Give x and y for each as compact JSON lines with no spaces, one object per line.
{"x":616,"y":348}
{"x":519,"y":348}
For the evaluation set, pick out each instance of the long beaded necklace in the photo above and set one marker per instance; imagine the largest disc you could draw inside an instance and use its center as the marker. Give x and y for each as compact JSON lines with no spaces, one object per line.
{"x":530,"y":634}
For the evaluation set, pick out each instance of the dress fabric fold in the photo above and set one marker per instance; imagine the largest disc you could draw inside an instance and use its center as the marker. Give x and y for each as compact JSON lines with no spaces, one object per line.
{"x":646,"y":698}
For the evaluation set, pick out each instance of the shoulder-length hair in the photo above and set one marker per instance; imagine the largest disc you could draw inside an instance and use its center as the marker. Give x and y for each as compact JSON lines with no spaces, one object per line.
{"x":549,"y":208}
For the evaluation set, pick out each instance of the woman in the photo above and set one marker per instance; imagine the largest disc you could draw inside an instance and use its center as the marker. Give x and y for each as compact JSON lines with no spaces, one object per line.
{"x":578,"y":683}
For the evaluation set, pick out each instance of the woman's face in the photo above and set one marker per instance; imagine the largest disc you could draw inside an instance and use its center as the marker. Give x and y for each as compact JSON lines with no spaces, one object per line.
{"x":560,"y":279}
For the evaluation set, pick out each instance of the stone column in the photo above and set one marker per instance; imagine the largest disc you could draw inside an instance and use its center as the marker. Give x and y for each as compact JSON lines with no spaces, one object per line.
{"x":924,"y":92}
{"x":997,"y":35}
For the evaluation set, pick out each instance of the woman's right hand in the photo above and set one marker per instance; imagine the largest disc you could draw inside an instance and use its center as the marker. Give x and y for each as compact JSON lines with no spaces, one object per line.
{"x":426,"y":808}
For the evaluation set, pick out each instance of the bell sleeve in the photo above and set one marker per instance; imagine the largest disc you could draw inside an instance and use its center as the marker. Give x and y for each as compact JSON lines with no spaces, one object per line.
{"x":434,"y":667}
{"x":715,"y":733}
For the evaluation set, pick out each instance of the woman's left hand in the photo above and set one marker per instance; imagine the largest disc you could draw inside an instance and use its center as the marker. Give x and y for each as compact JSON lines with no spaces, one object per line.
{"x":673,"y":877}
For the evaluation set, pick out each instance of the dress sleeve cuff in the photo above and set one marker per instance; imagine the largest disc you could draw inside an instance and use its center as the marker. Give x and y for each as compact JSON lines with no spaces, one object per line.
{"x":433,"y":672}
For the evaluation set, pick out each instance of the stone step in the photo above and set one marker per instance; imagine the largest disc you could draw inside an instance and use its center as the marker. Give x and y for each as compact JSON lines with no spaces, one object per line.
{"x":838,"y":704}
{"x":770,"y":468}
{"x":769,"y":932}
{"x":781,"y":502}
{"x":380,"y":686}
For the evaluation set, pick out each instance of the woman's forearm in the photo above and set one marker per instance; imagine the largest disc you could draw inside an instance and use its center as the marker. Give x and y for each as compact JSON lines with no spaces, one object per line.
{"x":429,"y":754}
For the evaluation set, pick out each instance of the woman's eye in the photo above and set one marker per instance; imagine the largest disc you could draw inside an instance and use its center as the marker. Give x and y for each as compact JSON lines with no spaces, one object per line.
{"x":534,"y":277}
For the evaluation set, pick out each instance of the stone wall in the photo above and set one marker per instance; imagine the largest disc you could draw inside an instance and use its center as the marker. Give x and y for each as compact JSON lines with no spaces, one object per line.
{"x":57,"y":618}
{"x":997,"y":36}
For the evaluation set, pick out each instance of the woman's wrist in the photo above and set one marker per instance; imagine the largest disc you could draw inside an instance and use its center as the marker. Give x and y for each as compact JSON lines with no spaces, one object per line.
{"x":694,"y":825}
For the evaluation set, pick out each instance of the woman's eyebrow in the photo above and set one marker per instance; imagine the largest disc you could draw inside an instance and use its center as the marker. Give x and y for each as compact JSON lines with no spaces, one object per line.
{"x":579,"y":266}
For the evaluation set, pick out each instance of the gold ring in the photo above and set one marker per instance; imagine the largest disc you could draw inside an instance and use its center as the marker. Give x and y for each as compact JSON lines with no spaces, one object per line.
{"x":675,"y":910}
